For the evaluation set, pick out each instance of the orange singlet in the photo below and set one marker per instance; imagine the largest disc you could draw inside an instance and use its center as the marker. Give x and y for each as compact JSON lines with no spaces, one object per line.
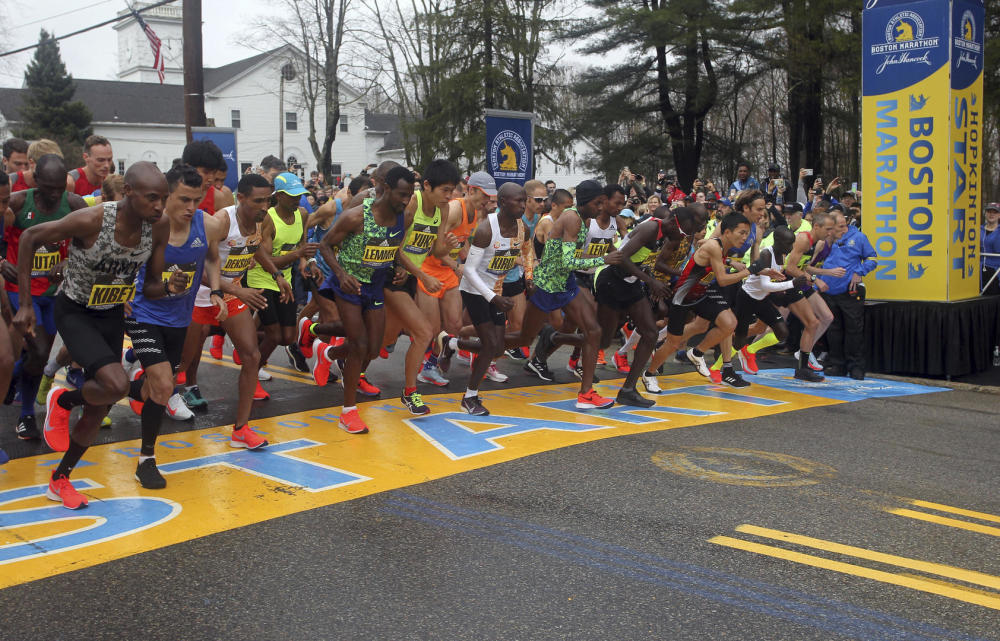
{"x":434,"y":267}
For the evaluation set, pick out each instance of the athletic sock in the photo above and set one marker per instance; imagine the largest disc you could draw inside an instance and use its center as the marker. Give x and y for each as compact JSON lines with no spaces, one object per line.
{"x":312,"y":329}
{"x":718,"y":361}
{"x":697,"y":352}
{"x":469,"y":393}
{"x":349,"y":409}
{"x":29,"y":390}
{"x":766,"y":340}
{"x":51,"y":368}
{"x":151,"y":419}
{"x":69,"y":460}
{"x":135,"y":390}
{"x":70,"y":399}
{"x":803,"y":359}
{"x":409,"y":390}
{"x":727,"y":368}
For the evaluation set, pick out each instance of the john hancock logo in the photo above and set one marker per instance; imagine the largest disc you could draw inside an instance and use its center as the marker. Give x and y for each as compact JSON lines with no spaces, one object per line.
{"x":904,"y":40}
{"x":965,"y":41}
{"x":509,"y":155}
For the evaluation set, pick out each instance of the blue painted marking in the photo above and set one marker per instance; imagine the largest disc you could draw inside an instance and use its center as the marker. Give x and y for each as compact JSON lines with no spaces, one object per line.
{"x":55,"y":461}
{"x":840,"y":388}
{"x":713,"y":391}
{"x":131,"y":452}
{"x":175,"y":445}
{"x":294,"y":424}
{"x":29,"y":491}
{"x":272,"y":463}
{"x":218,"y":438}
{"x":626,"y":413}
{"x":458,"y":441}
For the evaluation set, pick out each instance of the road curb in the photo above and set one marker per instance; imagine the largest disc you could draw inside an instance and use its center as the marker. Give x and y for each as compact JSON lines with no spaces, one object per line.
{"x":933,"y":382}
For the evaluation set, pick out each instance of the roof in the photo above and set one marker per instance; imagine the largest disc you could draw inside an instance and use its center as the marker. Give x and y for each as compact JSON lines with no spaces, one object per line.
{"x":388,"y":123}
{"x":221,"y":75}
{"x":113,"y":100}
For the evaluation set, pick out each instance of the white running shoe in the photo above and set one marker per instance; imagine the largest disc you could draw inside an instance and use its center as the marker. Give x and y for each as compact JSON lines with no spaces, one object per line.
{"x":177,"y":409}
{"x":814,"y":364}
{"x":496,"y":375}
{"x":699,"y":364}
{"x":433,"y":376}
{"x":651,"y":385}
{"x":263,"y":375}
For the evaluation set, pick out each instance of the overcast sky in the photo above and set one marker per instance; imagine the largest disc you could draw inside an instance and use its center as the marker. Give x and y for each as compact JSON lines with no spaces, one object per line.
{"x":94,"y":54}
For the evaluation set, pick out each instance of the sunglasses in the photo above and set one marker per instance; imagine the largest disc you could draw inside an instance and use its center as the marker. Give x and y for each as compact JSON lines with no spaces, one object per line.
{"x":539,"y":199}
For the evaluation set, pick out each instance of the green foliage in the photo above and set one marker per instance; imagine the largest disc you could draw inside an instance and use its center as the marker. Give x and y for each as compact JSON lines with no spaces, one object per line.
{"x":48,"y":110}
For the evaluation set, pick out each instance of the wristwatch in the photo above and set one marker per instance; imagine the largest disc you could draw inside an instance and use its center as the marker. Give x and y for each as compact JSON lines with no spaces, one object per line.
{"x":217,"y":292}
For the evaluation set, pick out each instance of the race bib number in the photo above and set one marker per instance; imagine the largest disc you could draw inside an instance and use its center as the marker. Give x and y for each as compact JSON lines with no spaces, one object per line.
{"x":598,"y":248}
{"x":187,"y":269}
{"x":378,"y":256}
{"x":108,"y":295}
{"x":421,"y":240}
{"x":42,"y":262}
{"x":238,"y":261}
{"x":287,"y":248}
{"x":501,"y":263}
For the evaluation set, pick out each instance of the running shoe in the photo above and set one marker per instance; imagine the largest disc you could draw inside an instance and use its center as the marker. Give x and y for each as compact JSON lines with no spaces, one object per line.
{"x":699,"y":363}
{"x":129,"y":365}
{"x":62,"y":491}
{"x":367,"y":389}
{"x":305,"y":341}
{"x":442,"y":341}
{"x":74,"y":377}
{"x":246,"y":437}
{"x":43,"y":388}
{"x":525,"y":353}
{"x":496,"y":375}
{"x":681,"y":356}
{"x":430,"y":374}
{"x":236,"y":357}
{"x":415,"y":403}
{"x":621,"y":362}
{"x":149,"y":476}
{"x":591,"y":400}
{"x":814,"y":364}
{"x":321,"y":369}
{"x":808,"y":375}
{"x":600,"y":358}
{"x":464,"y":357}
{"x":472,"y":405}
{"x":572,"y":365}
{"x":351,"y":423}
{"x":857,"y":374}
{"x":263,"y":375}
{"x":748,"y":360}
{"x":715,"y":375}
{"x":260,"y":394}
{"x":193,"y":398}
{"x":544,"y":346}
{"x":218,"y":340}
{"x":731,"y":378}
{"x":27,"y":429}
{"x":539,"y":369}
{"x":634,"y":398}
{"x":650,"y":383}
{"x":177,"y":410}
{"x":515,"y":354}
{"x":56,"y":426}
{"x":134,"y":404}
{"x":181,"y":378}
{"x":297,"y":358}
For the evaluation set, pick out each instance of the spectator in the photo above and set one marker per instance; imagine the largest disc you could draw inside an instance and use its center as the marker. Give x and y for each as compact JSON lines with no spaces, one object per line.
{"x":270,"y":167}
{"x":990,"y":236}
{"x":744,"y":180}
{"x":854,"y":256}
{"x":550,"y":186}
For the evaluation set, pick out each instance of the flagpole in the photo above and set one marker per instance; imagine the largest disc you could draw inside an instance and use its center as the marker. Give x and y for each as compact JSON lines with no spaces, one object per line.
{"x":194,"y":80}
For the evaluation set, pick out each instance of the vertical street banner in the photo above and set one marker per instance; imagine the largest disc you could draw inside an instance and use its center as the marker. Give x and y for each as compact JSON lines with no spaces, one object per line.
{"x":921,"y":126}
{"x":225,"y":138}
{"x":509,"y":145}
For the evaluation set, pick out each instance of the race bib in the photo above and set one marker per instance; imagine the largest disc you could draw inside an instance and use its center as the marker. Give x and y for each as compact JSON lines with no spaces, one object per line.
{"x":501,"y":263}
{"x":598,"y":248}
{"x":238,"y":261}
{"x":378,"y":256}
{"x":188,"y":269}
{"x":421,"y":240}
{"x":287,"y":248}
{"x":42,"y":262}
{"x":108,"y":295}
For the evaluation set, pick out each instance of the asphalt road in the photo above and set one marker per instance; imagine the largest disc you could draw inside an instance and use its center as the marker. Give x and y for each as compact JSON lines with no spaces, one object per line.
{"x":683,"y":533}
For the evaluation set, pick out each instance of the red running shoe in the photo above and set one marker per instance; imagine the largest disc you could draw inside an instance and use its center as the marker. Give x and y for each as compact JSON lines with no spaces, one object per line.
{"x":216,"y":349}
{"x":62,"y":491}
{"x":351,"y":423}
{"x":715,"y":375}
{"x":621,"y":362}
{"x":748,"y":360}
{"x":182,"y":378}
{"x":591,"y":400}
{"x":246,"y":437}
{"x":56,"y":426}
{"x":367,"y":389}
{"x":321,"y":368}
{"x":260,"y":394}
{"x":236,"y":357}
{"x":305,"y":337}
{"x":134,"y":404}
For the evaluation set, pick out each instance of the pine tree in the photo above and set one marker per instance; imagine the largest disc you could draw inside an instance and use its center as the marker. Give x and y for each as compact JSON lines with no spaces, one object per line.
{"x":48,"y":109}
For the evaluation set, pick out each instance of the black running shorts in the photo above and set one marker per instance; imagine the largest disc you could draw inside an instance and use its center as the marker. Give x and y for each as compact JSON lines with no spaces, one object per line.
{"x":92,"y":337}
{"x":156,"y":343}
{"x":481,"y":311}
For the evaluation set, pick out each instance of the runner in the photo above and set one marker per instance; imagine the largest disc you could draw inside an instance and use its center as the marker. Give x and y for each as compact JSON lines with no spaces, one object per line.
{"x":422,"y":240}
{"x":110,"y":242}
{"x":361,"y":249}
{"x":6,"y":350}
{"x":206,"y":157}
{"x":15,"y":157}
{"x":98,"y":164}
{"x":47,"y":202}
{"x":515,"y":285}
{"x":158,"y":327}
{"x":25,"y":178}
{"x":239,"y":240}
{"x":495,"y":248}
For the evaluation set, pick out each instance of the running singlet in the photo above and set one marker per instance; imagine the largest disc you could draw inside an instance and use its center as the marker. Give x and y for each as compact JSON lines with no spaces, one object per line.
{"x":597,"y":242}
{"x":559,"y":261}
{"x":208,"y":202}
{"x":694,"y":281}
{"x":102,"y":276}
{"x":433,"y":265}
{"x":537,"y":244}
{"x":46,"y":256}
{"x":370,"y":254}
{"x":83,"y":186}
{"x":174,"y":310}
{"x":754,"y":285}
{"x":17,"y":182}
{"x":422,"y":233}
{"x":235,"y":256}
{"x":499,"y":257}
{"x":286,"y":239}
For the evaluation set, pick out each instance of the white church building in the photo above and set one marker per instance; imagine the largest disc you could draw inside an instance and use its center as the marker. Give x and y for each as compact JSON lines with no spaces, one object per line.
{"x":144,"y":120}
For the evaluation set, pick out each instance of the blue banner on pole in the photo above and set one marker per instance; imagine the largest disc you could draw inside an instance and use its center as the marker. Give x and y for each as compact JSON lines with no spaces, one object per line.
{"x":226,"y":141}
{"x":509,"y":146}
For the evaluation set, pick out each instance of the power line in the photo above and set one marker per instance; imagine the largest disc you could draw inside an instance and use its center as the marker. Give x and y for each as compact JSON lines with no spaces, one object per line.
{"x":59,"y":15}
{"x":90,"y":28}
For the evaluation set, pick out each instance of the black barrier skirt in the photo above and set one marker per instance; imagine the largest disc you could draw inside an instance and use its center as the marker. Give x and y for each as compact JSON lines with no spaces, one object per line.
{"x":932,"y":339}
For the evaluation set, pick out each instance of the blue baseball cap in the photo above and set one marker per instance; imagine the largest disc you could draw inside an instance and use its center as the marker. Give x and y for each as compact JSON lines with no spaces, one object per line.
{"x":289,"y":183}
{"x":627,"y":213}
{"x":726,"y":202}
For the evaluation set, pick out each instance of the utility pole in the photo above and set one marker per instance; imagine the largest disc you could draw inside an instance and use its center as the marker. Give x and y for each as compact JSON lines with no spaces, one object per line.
{"x":194,"y":79}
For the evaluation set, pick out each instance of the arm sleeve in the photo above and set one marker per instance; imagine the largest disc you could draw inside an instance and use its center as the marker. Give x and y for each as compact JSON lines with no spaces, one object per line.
{"x":769,"y":285}
{"x":570,"y":260}
{"x":472,"y":263}
{"x":763,"y":262}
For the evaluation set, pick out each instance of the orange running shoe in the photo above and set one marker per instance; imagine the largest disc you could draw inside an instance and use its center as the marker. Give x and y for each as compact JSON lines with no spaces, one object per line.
{"x":321,"y":369}
{"x":621,"y":362}
{"x":56,"y":426}
{"x":748,"y":360}
{"x":182,"y":378}
{"x":351,"y":423}
{"x":134,"y":404}
{"x":591,"y":400}
{"x":216,"y":349}
{"x":716,"y":376}
{"x":367,"y":389}
{"x":260,"y":394}
{"x":62,"y":491}
{"x":305,"y":337}
{"x":246,"y":437}
{"x":600,"y":358}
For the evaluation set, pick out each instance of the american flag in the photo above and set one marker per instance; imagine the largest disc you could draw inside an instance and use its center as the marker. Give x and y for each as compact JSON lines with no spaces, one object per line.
{"x":154,"y":43}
